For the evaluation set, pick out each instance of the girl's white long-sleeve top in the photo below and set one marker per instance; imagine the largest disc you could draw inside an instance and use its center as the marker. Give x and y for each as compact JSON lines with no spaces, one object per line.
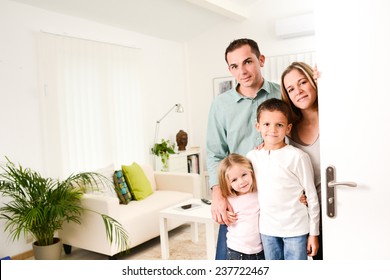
{"x":282,"y":175}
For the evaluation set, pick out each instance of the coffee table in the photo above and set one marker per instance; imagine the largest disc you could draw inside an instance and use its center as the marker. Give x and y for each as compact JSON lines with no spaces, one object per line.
{"x":199,"y":213}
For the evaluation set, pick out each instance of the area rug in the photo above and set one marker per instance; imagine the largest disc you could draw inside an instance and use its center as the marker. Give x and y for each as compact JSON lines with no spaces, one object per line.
{"x":181,"y":247}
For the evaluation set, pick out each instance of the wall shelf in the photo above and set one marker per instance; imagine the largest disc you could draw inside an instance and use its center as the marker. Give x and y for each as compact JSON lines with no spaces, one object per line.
{"x":188,"y":161}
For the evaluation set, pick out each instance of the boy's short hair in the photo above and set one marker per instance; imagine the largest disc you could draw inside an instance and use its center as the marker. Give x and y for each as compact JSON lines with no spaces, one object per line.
{"x":274,"y":104}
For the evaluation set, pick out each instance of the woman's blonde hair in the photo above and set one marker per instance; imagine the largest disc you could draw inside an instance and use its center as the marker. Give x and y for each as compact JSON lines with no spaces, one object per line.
{"x":224,"y":167}
{"x":305,"y":70}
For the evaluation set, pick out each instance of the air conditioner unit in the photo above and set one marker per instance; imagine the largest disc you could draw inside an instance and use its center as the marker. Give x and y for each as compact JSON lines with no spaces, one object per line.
{"x":296,"y":26}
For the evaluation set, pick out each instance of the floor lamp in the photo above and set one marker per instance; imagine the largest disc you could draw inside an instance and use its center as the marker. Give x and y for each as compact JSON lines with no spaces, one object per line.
{"x":179,"y":109}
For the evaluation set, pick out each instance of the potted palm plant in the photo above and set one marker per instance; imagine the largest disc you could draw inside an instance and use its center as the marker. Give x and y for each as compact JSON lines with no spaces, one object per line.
{"x":39,"y":206}
{"x":163,"y":150}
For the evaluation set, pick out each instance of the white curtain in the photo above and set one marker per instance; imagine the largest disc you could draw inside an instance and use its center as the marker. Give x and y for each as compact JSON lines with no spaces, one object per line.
{"x":275,"y":65}
{"x":90,"y":104}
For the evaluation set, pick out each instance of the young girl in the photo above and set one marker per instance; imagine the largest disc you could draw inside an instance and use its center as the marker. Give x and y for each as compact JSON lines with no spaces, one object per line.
{"x":238,"y":185}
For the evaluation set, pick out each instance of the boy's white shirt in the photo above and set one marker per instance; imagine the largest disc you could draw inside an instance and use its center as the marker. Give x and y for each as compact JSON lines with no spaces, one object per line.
{"x":281,"y":177}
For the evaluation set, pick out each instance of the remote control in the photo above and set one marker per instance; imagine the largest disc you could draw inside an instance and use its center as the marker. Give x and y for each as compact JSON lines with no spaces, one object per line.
{"x":187,"y":206}
{"x":208,"y":202}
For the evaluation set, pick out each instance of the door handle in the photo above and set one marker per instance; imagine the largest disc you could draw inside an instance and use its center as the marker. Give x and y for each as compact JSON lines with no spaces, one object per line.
{"x":348,"y":184}
{"x":330,"y":192}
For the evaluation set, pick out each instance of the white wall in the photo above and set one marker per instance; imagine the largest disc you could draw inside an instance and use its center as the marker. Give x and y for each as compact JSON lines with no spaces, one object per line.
{"x":206,"y":52}
{"x":173,"y":73}
{"x":21,"y":132}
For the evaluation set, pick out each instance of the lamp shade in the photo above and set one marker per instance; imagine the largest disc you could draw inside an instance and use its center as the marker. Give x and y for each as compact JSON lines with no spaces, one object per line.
{"x":179,"y":108}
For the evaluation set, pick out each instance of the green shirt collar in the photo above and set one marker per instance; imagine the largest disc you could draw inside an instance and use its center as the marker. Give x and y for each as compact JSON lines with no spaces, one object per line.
{"x":266,"y":87}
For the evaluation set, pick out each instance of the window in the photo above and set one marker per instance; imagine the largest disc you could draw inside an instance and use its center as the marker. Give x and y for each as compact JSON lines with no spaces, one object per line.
{"x":90,"y":104}
{"x":275,"y":65}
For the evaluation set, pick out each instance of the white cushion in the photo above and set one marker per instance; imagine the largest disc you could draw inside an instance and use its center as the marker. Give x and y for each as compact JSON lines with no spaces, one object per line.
{"x":105,"y":188}
{"x":149,"y":172}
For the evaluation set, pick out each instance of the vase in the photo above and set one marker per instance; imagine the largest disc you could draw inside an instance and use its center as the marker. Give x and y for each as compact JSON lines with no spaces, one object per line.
{"x":164,"y":161}
{"x":49,"y":252}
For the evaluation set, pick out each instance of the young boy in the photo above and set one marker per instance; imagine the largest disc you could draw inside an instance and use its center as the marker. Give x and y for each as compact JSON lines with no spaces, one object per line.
{"x":289,"y":229}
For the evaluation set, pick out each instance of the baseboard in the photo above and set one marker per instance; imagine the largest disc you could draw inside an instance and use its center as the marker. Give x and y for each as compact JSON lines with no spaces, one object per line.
{"x":23,"y":256}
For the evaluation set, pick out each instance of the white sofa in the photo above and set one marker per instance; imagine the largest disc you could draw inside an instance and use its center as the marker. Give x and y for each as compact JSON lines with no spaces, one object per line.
{"x":139,"y":218}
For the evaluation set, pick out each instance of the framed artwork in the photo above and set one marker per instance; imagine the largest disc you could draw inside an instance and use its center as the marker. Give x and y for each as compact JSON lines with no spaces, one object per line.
{"x":223,"y":84}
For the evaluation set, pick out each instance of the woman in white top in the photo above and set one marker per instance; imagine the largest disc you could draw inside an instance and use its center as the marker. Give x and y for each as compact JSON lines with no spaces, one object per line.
{"x":238,"y":185}
{"x":299,"y":90}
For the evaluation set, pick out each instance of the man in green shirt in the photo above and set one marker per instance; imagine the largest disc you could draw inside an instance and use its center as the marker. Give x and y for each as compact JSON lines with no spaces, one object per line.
{"x":232,"y":119}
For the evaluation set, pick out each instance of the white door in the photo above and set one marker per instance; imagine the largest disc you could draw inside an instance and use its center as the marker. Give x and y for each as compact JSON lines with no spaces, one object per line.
{"x":353,"y":57}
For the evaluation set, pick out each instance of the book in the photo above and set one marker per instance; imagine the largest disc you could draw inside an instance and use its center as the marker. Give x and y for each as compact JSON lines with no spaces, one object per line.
{"x":193,"y":164}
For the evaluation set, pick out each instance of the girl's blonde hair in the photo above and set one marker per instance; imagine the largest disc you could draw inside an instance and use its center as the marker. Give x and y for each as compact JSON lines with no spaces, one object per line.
{"x":224,"y":167}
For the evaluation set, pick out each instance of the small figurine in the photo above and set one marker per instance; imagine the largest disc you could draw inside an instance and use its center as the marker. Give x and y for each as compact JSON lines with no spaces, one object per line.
{"x":182,"y":140}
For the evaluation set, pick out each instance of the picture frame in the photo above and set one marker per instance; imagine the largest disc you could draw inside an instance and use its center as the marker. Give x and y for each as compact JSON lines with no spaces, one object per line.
{"x":223,"y":84}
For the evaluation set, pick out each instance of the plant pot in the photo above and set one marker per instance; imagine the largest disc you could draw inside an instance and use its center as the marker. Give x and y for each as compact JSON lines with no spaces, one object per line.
{"x":49,"y":252}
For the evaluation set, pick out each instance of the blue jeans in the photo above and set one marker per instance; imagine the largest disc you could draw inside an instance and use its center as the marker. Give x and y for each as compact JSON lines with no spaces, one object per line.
{"x":221,"y":253}
{"x":285,"y":248}
{"x":234,"y":255}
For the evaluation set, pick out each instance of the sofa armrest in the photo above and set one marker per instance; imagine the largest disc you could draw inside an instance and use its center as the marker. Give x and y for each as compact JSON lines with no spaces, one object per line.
{"x":182,"y":182}
{"x":102,"y":204}
{"x":91,"y":233}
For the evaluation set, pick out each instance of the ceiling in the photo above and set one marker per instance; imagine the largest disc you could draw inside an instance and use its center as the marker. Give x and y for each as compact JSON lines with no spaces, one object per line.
{"x":177,"y":20}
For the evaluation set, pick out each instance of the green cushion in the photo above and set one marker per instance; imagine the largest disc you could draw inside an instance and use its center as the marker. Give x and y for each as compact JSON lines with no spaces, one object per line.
{"x":121,"y":188}
{"x":137,"y":181}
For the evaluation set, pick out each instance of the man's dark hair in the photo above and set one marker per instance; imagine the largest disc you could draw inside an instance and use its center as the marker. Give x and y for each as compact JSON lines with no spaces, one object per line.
{"x":238,"y":43}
